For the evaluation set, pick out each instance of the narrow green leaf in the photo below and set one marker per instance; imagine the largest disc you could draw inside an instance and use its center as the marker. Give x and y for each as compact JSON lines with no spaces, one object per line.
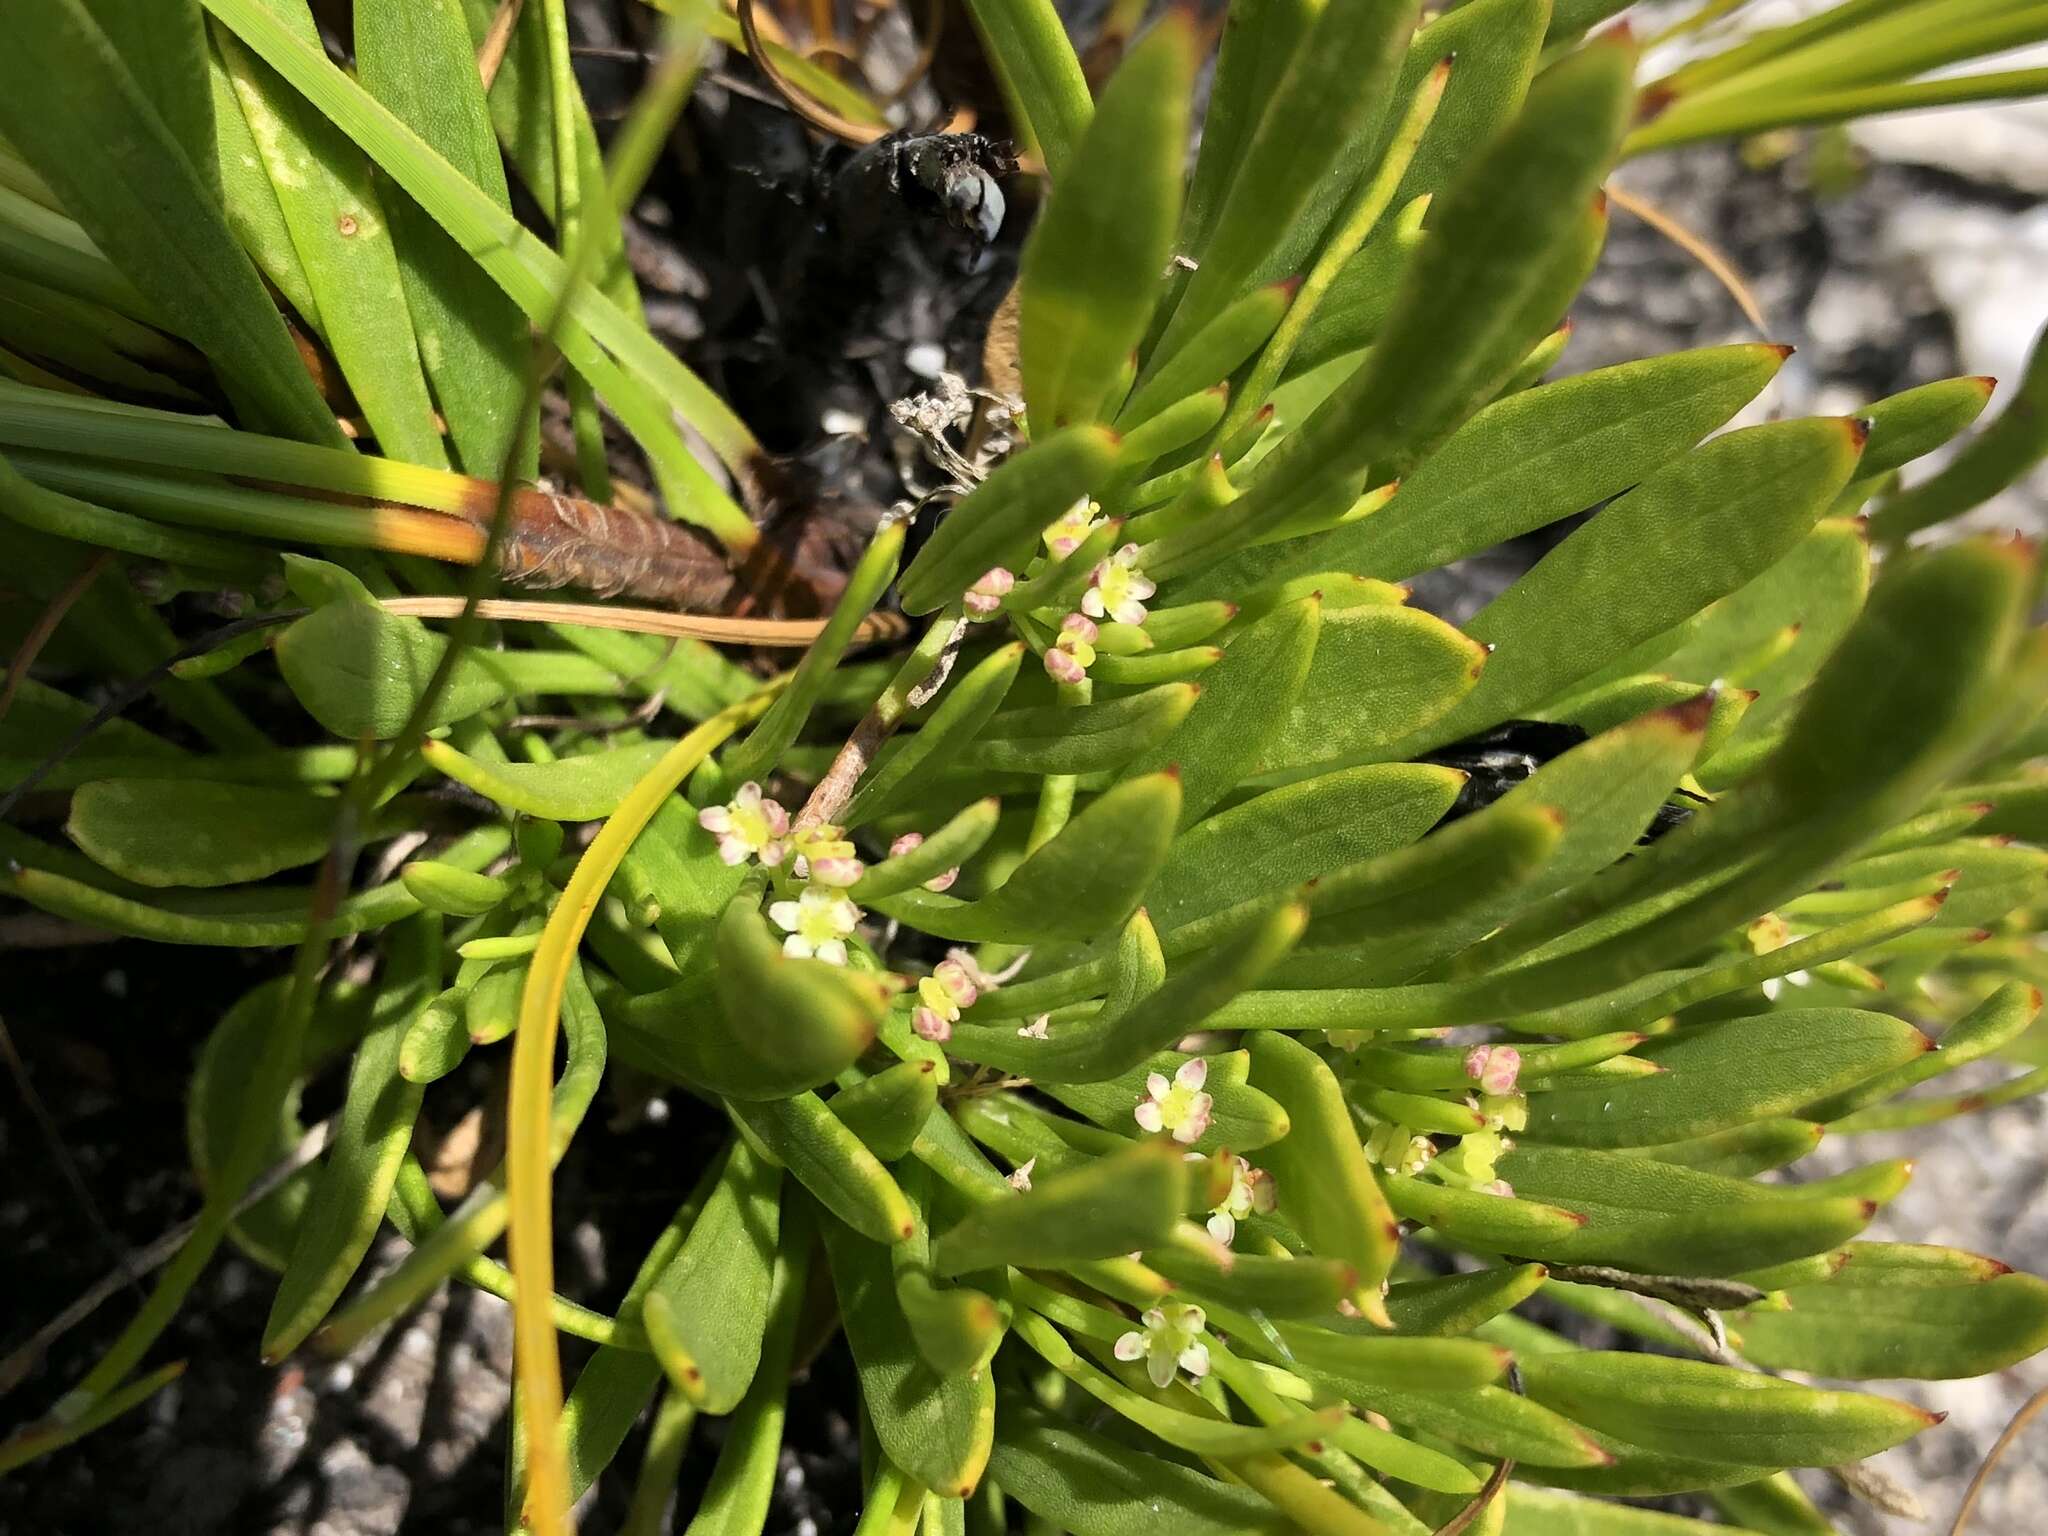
{"x":1721,"y":1240}
{"x":1096,"y":261}
{"x":347,"y":1201}
{"x":888,"y":1110}
{"x":1508,"y":245}
{"x":616,"y":1383}
{"x":71,"y":105}
{"x":804,"y":1019}
{"x":999,"y":522}
{"x":1094,"y":1486}
{"x":1457,"y":1304}
{"x":164,"y":43}
{"x":704,"y":1316}
{"x":1275,"y":841}
{"x":586,"y":788}
{"x":1485,"y":1221}
{"x":1380,"y":674}
{"x":1246,"y":698}
{"x":163,"y":832}
{"x":1325,"y":1186}
{"x":1111,"y":1206}
{"x":1692,"y":1408}
{"x":932,"y":859}
{"x":743,"y":1483}
{"x":1727,"y":1074}
{"x":1717,"y":518}
{"x":1084,"y":882}
{"x":1742,"y":1150}
{"x":1336,"y":87}
{"x":418,"y":60}
{"x":1268,"y":1286}
{"x":457,"y":892}
{"x":1937,"y":1333}
{"x":1213,"y":353}
{"x":337,"y":225}
{"x":913,"y":759}
{"x":359,"y":671}
{"x":1203,"y":1431}
{"x":957,"y":1328}
{"x":1541,"y":1512}
{"x":1365,"y":912}
{"x":1129,"y":1030}
{"x":1775,"y":1506}
{"x":829,"y":1160}
{"x":1087,"y":739}
{"x":1991,"y":1026}
{"x":1352,"y":1362}
{"x":1492,"y":1421}
{"x":1996,"y":458}
{"x":938,"y":1429}
{"x":1047,"y":94}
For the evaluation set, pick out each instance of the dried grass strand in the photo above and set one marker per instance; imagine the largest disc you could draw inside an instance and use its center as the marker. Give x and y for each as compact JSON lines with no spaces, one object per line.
{"x":780,"y":633}
{"x":1699,"y":248}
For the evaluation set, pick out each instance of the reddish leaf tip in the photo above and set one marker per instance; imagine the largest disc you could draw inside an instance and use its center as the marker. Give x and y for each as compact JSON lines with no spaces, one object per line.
{"x":1858,"y":428}
{"x":1938,"y":899}
{"x":1290,"y":286}
{"x":1784,"y":349}
{"x":1868,"y":1208}
{"x":1987,"y":382}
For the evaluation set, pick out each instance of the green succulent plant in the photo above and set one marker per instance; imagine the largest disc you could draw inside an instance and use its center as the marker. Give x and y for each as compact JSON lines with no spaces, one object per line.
{"x":1081,"y":1044}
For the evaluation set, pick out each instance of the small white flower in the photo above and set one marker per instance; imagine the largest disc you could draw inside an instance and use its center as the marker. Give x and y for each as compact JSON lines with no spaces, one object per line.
{"x":818,"y":923}
{"x":1073,"y":653}
{"x":1251,"y":1190}
{"x":1039,"y":1028}
{"x":941,"y":995}
{"x":1020,"y":1176}
{"x":747,"y":826}
{"x":1180,"y":1107}
{"x":1494,"y":1067}
{"x":985,"y":597}
{"x":1170,"y":1339}
{"x":823,"y":854}
{"x":1398,"y":1149}
{"x":1064,"y":536}
{"x":1118,"y":589}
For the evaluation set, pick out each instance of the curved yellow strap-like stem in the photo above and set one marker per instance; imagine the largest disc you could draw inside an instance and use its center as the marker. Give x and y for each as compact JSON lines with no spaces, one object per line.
{"x":529,"y":1153}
